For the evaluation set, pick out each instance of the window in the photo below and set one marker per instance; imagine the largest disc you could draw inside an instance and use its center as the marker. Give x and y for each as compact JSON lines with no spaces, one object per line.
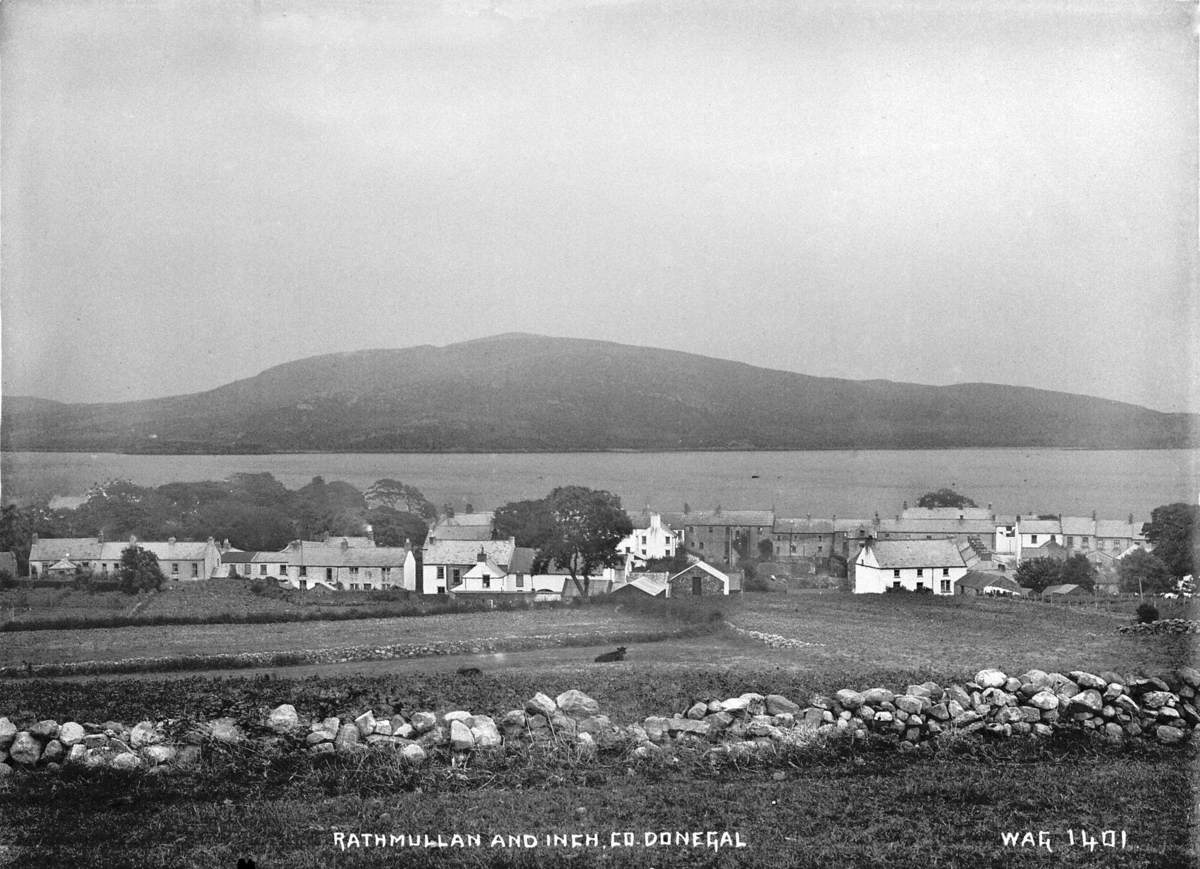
{"x":262,"y":570}
{"x":520,"y":580}
{"x":920,"y":572}
{"x":1083,"y":541}
{"x":1033,"y":538}
{"x":945,"y":571}
{"x":895,"y":585}
{"x":441,"y":589}
{"x":456,"y":575}
{"x":895,"y":572}
{"x":441,"y":571}
{"x":354,"y":571}
{"x":303,"y":570}
{"x":920,"y":586}
{"x":487,"y":581}
{"x":945,"y":586}
{"x":175,"y":568}
{"x":283,"y":570}
{"x":1070,"y":541}
{"x":304,"y":583}
{"x":329,"y":573}
{"x":195,"y":570}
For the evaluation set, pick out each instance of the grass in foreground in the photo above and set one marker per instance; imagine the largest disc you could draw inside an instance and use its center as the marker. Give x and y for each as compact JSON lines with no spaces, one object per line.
{"x":841,"y":806}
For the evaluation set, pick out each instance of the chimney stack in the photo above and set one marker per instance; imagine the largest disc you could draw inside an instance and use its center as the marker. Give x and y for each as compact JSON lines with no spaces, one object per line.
{"x":481,"y":557}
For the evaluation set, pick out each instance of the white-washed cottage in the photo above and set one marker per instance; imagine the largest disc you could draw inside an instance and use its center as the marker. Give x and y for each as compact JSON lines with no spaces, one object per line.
{"x":913,"y":565}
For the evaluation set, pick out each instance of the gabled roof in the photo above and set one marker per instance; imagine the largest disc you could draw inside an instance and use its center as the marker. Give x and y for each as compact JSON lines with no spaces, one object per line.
{"x":486,"y":568}
{"x":54,"y":548}
{"x":937,"y":526}
{"x":1081,"y":526}
{"x":338,"y":539}
{"x":944,"y":513}
{"x":467,"y":551}
{"x":891,"y":554}
{"x":462,"y":532}
{"x":1118,"y":528}
{"x":758,"y":518}
{"x":707,"y":568}
{"x":652,"y":584}
{"x":853,"y":526}
{"x":180,"y":550}
{"x":306,"y":553}
{"x":522,"y":560}
{"x":464,"y":520}
{"x":237,"y":556}
{"x":803,"y":526}
{"x":1040,"y":526}
{"x":982,"y":580}
{"x":64,"y":564}
{"x":1066,"y":588}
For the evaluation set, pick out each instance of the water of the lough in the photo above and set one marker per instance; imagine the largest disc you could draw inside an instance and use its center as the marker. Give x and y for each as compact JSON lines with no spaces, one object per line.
{"x":1114,"y":483}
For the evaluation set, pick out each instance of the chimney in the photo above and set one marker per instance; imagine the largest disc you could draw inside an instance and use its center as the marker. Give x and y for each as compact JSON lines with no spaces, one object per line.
{"x":905,"y":505}
{"x":989,"y":507}
{"x":1093,"y":515}
{"x":370,"y":533}
{"x":408,"y":543}
{"x":1130,"y":518}
{"x":225,"y":547}
{"x":211,"y":542}
{"x":294,"y":545}
{"x":132,"y":539}
{"x":345,"y":544}
{"x":481,"y":557}
{"x":99,"y":537}
{"x":171,"y":540}
{"x":34,"y":538}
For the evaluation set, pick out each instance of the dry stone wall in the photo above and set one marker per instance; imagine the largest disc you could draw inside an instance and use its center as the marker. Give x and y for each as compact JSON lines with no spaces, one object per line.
{"x":1106,"y":706}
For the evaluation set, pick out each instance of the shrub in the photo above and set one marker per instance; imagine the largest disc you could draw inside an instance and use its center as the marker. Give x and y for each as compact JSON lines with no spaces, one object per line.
{"x":7,"y":580}
{"x":1146,"y":613}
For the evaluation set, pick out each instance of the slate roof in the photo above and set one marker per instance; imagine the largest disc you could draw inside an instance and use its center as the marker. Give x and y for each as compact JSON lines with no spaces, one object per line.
{"x":803,"y":526}
{"x":467,"y":551}
{"x":309,"y":554}
{"x":938,"y":526}
{"x":1118,"y":528}
{"x":522,"y":560}
{"x":180,"y":550}
{"x":647,"y":583}
{"x":890,"y":554}
{"x":707,"y":568}
{"x":755,"y":518}
{"x":981,"y":580}
{"x":1081,"y":526}
{"x":944,"y":513}
{"x":237,"y":556}
{"x":53,"y":548}
{"x":854,"y":526}
{"x":1067,"y":588}
{"x":1040,"y":526}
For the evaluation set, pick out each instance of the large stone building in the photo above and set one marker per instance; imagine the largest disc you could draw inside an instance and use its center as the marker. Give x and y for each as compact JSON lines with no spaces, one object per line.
{"x":181,"y":560}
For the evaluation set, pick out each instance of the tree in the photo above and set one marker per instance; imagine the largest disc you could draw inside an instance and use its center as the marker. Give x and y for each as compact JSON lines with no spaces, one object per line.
{"x":1173,"y":530}
{"x":1078,"y":571}
{"x":945,"y":498}
{"x":139,"y":570}
{"x":392,"y":527}
{"x":1144,"y":573}
{"x":586,"y":526}
{"x":393,"y":493}
{"x":1039,"y":573}
{"x":527,"y":521}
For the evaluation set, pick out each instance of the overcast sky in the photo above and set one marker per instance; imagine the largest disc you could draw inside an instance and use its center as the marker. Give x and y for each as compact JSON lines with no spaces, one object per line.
{"x":932,"y":192}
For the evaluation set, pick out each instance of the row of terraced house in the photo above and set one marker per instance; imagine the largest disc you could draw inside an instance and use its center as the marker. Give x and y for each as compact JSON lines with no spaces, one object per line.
{"x":933,"y":549}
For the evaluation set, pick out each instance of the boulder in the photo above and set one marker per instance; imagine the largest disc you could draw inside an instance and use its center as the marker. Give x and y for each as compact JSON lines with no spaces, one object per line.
{"x":939,"y":712}
{"x":225,"y":730}
{"x":697,"y":711}
{"x":423,"y":722}
{"x":383,"y":727}
{"x":144,"y":733}
{"x":877,"y":696}
{"x":461,"y":738}
{"x":1087,"y":680}
{"x":595,"y":724}
{"x":484,"y":731}
{"x":1190,"y":676}
{"x":539,"y":704}
{"x":71,"y":733}
{"x":656,"y":728}
{"x":8,"y":732}
{"x":160,"y":753}
{"x":365,"y":723}
{"x":25,"y":749}
{"x":456,"y":715}
{"x":319,"y":736}
{"x":322,"y":748}
{"x":283,"y":719}
{"x":347,"y":739}
{"x":1087,"y":701}
{"x":53,"y":752}
{"x":126,"y":760}
{"x":45,"y":729}
{"x":577,"y":704}
{"x":1044,"y":700}
{"x":1157,"y":699}
{"x":777,"y":704}
{"x":849,"y":699}
{"x":1113,"y":691}
{"x":78,"y":753}
{"x":908,"y":704}
{"x":413,"y":753}
{"x":990,"y":679}
{"x":735,"y":705}
{"x":686,"y":725}
{"x":1168,"y":734}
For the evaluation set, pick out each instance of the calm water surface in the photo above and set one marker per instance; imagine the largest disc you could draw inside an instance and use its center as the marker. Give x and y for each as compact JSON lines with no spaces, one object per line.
{"x":846,"y":483}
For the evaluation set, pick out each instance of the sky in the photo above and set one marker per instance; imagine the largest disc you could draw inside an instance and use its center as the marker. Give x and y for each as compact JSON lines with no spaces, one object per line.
{"x":916,"y":191}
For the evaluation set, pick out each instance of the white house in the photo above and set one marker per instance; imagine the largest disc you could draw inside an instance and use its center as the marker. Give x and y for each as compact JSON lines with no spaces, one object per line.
{"x":445,"y":563}
{"x":488,"y":577}
{"x":182,"y":560}
{"x":909,"y":564}
{"x":1033,"y":532}
{"x":312,"y":564}
{"x":650,"y":539}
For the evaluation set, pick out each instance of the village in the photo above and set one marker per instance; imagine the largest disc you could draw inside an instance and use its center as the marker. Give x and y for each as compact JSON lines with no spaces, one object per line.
{"x":935,"y":550}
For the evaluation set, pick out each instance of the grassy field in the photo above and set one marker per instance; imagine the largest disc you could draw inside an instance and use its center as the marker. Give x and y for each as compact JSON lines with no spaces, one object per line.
{"x":841,"y":806}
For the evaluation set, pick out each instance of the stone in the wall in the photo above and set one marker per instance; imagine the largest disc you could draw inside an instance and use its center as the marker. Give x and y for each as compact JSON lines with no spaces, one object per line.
{"x":77,"y":754}
{"x":777,"y":704}
{"x":413,"y":753}
{"x":45,"y":729}
{"x":594,"y":724}
{"x":423,"y":722}
{"x":160,"y":754}
{"x":907,"y":704}
{"x":576,"y":703}
{"x":71,"y":733}
{"x":697,"y":711}
{"x":126,"y":760}
{"x":990,"y":679}
{"x":656,"y":728}
{"x":225,"y":730}
{"x":877,"y":696}
{"x":322,"y":748}
{"x":1087,"y":680}
{"x":1157,"y":699}
{"x":54,"y":752}
{"x":283,"y":718}
{"x":540,"y":704}
{"x":365,"y":723}
{"x":456,"y":715}
{"x":8,"y":732}
{"x":1168,"y":734}
{"x":1086,"y":701}
{"x":1190,"y":676}
{"x":25,"y":749}
{"x":461,"y":738}
{"x":849,"y":699}
{"x":144,"y":733}
{"x":383,"y":728}
{"x":347,"y":739}
{"x":484,"y":731}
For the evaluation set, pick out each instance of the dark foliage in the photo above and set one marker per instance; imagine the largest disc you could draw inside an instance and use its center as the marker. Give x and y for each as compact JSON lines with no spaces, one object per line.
{"x":945,"y":498}
{"x":1147,"y":613}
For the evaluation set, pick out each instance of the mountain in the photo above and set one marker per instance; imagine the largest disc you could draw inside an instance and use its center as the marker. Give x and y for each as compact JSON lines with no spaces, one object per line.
{"x":527,"y":392}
